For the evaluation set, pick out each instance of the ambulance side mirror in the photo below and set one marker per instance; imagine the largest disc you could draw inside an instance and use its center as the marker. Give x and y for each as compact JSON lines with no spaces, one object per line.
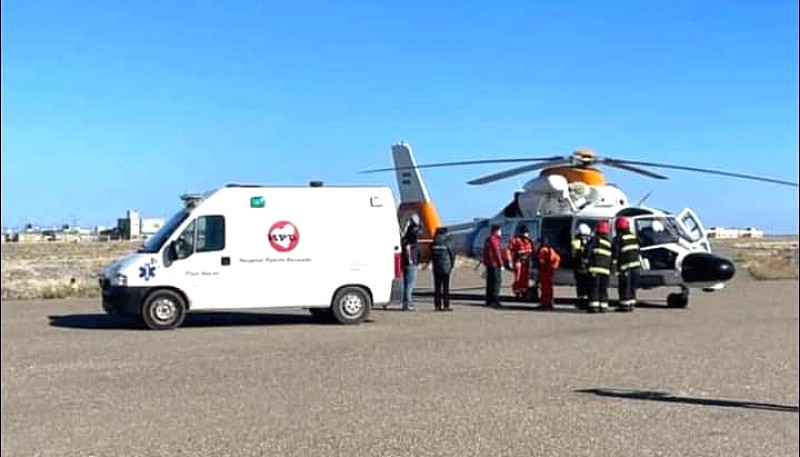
{"x":170,"y":253}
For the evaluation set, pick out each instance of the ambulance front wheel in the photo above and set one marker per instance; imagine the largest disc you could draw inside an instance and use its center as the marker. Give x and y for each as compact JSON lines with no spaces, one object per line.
{"x":163,"y":310}
{"x":351,"y":305}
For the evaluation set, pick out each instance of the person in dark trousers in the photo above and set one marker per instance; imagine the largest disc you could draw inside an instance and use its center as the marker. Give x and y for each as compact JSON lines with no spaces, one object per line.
{"x":582,"y":279}
{"x":494,"y":262}
{"x":410,"y":261}
{"x":443,"y":262}
{"x":625,"y":253}
{"x":598,"y":251}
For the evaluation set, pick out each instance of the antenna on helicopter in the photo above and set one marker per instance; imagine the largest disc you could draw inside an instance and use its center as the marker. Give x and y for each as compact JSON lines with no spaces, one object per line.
{"x":646,"y":196}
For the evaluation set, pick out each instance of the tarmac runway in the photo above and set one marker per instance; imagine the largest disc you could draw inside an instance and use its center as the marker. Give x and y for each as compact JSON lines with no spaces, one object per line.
{"x":717,"y":379}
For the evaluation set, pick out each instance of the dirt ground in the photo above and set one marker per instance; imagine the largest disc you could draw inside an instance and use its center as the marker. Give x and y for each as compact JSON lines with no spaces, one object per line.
{"x":47,"y":270}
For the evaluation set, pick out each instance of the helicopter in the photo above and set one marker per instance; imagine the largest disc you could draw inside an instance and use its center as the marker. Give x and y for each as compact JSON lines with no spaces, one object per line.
{"x":571,"y":190}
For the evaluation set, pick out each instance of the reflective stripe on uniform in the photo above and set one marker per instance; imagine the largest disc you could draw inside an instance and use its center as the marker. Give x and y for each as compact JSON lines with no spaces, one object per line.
{"x":629,"y":265}
{"x":600,"y":259}
{"x":628,"y":253}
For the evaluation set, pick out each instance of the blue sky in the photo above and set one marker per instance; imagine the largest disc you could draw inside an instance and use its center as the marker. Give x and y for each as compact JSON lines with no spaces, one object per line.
{"x":115,"y":105}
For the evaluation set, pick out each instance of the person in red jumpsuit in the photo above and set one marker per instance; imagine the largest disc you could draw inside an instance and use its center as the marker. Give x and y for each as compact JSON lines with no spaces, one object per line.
{"x":548,"y":260}
{"x":520,"y":251}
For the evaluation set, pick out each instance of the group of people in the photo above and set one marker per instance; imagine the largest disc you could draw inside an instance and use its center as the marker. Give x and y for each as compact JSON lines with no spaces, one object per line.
{"x":597,"y":257}
{"x":518,"y":257}
{"x":443,"y":260}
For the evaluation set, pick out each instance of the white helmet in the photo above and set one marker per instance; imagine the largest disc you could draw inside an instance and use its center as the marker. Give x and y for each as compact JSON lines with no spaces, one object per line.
{"x":584,"y":230}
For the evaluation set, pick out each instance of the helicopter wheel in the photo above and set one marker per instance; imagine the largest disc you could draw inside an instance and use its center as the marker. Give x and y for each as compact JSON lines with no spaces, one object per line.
{"x":677,"y":300}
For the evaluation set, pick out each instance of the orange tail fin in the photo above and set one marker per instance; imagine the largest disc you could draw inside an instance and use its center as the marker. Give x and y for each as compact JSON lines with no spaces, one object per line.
{"x":414,"y":198}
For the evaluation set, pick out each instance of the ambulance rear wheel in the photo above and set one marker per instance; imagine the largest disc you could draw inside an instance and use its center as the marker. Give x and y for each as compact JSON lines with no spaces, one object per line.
{"x":163,"y":310}
{"x":351,"y":305}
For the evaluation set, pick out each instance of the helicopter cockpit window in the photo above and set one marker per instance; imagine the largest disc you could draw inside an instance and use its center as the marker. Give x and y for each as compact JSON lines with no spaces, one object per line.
{"x":659,"y":230}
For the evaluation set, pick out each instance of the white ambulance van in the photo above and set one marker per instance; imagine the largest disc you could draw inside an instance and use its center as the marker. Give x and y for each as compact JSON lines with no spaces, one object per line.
{"x":333,"y":250}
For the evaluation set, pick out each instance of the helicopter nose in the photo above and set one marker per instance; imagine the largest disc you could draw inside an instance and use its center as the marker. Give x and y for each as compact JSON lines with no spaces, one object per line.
{"x":706,"y":267}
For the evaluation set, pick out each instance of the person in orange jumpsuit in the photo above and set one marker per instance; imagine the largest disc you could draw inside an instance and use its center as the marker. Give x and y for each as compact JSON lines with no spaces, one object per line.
{"x":548,"y":260}
{"x":519,"y":252}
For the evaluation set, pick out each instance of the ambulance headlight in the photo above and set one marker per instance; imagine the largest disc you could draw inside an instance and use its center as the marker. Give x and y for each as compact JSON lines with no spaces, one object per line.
{"x":119,"y":280}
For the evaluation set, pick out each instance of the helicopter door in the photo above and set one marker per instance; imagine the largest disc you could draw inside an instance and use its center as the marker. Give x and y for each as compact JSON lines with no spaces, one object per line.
{"x":691,"y":224}
{"x":558,"y":231}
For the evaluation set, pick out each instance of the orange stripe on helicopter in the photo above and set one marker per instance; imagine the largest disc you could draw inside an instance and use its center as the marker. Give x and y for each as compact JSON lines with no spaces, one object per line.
{"x":590,"y":176}
{"x":428,"y":220}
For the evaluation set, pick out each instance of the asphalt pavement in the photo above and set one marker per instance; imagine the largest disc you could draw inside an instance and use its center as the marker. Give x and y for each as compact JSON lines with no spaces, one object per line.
{"x":719,"y":378}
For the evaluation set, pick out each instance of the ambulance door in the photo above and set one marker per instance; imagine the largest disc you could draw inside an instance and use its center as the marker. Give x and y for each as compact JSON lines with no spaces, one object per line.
{"x":203,"y":264}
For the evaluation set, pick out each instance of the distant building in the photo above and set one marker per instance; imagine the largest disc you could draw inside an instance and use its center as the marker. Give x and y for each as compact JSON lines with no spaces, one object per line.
{"x":134,"y":227}
{"x":728,"y":233}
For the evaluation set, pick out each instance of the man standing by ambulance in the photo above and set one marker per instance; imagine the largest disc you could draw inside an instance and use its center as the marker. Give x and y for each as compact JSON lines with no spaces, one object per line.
{"x":410,"y":261}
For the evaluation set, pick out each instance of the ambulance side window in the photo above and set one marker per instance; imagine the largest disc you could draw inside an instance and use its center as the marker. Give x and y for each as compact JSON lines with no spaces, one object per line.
{"x":210,"y":233}
{"x":204,"y":234}
{"x":184,"y":244}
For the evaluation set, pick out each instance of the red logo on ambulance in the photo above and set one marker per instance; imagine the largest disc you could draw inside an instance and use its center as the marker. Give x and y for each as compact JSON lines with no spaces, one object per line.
{"x":283,"y":236}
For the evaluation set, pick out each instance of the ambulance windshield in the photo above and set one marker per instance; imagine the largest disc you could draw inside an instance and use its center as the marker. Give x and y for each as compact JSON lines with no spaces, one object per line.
{"x":155,"y":242}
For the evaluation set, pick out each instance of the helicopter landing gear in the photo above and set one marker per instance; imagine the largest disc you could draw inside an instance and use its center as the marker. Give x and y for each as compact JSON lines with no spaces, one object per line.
{"x":680,"y":300}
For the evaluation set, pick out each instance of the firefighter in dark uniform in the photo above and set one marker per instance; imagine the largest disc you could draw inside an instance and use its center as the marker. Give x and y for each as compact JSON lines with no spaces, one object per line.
{"x":625,"y":253}
{"x":598,"y":251}
{"x":443,"y":261}
{"x":582,"y":235}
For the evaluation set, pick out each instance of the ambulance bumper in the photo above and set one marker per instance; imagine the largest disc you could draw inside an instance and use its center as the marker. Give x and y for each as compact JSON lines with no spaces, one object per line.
{"x":123,"y":300}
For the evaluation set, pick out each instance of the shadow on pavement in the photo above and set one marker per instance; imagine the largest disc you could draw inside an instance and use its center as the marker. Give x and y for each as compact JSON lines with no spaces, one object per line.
{"x":199,"y":319}
{"x":460,"y":295}
{"x":669,"y":398}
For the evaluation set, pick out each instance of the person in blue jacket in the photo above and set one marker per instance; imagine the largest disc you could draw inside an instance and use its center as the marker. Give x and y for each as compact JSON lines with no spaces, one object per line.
{"x":443,"y":262}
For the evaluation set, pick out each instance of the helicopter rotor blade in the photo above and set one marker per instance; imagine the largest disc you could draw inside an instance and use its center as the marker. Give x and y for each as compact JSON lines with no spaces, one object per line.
{"x":624,"y":166}
{"x":464,"y":162}
{"x":709,"y":171}
{"x":519,"y":170}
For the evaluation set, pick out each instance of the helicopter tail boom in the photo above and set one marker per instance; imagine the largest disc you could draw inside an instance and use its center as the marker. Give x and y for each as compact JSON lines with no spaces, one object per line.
{"x":414,"y":197}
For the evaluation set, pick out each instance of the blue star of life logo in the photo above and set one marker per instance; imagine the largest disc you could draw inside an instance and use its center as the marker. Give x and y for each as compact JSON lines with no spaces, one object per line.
{"x":147,"y":271}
